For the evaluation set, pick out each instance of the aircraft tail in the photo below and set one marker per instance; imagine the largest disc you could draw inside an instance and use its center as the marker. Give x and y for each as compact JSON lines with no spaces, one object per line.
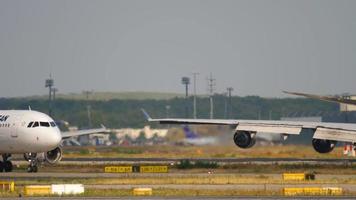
{"x":189,"y":134}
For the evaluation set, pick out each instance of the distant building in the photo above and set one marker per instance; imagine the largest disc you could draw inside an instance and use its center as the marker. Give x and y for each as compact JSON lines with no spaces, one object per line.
{"x":134,"y":133}
{"x":347,"y":107}
{"x":99,"y":139}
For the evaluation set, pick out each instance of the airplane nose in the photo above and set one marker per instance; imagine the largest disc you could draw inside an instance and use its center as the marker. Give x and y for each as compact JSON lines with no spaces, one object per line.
{"x":56,"y":138}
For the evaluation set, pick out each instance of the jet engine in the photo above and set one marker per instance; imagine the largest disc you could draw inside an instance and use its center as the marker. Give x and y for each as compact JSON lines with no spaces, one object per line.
{"x":323,"y":146}
{"x":54,"y":155}
{"x":244,"y":139}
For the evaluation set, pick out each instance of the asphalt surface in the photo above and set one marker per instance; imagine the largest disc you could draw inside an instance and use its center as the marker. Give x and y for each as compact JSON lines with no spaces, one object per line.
{"x":269,"y":187}
{"x":69,"y":175}
{"x":227,"y":160}
{"x":166,"y":161}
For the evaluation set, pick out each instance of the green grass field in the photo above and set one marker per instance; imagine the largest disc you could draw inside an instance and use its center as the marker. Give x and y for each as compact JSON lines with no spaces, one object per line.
{"x":221,"y":151}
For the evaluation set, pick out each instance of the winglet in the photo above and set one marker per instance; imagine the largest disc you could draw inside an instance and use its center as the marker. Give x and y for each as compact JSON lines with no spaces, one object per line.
{"x":147,"y":116}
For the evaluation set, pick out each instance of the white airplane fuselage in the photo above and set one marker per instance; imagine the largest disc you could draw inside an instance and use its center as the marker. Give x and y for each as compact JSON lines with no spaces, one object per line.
{"x":25,"y":131}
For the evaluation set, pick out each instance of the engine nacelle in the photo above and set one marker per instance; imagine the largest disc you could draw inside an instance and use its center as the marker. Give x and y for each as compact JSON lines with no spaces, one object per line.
{"x":323,"y":146}
{"x":54,"y":155}
{"x":244,"y":139}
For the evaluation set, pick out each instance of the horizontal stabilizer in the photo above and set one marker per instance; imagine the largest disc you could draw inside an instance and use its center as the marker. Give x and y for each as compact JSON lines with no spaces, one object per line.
{"x":325,"y":98}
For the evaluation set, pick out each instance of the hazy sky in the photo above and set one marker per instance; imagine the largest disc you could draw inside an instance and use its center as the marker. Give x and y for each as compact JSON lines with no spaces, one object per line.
{"x":256,"y":47}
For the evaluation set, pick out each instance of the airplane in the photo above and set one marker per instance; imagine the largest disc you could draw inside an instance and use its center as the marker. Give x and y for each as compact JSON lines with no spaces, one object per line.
{"x":33,"y":134}
{"x":192,"y":138}
{"x":326,"y":135}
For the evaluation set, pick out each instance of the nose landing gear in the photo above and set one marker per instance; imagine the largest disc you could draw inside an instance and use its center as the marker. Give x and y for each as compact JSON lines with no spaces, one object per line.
{"x":6,"y":164}
{"x":32,"y":158}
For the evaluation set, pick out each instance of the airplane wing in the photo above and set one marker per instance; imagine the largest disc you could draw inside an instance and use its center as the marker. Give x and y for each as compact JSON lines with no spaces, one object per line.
{"x":69,"y":134}
{"x":324,"y":98}
{"x":345,"y":132}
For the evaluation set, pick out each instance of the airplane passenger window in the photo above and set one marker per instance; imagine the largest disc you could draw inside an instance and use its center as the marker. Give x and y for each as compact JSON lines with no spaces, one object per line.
{"x":44,"y":124}
{"x":53,"y":124}
{"x":30,"y":125}
{"x":35,"y":124}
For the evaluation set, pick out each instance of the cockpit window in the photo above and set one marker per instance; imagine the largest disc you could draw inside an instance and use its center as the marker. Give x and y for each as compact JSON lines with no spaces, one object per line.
{"x":44,"y":124}
{"x":35,"y":124}
{"x":53,"y":124}
{"x":30,"y":125}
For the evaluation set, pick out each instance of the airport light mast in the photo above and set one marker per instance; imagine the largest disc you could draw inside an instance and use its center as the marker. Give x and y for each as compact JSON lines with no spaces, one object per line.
{"x":195,"y":95}
{"x":229,"y":92}
{"x":54,"y":91}
{"x":211,"y":85}
{"x":49,"y":83}
{"x":87,"y":95}
{"x":186,"y":82}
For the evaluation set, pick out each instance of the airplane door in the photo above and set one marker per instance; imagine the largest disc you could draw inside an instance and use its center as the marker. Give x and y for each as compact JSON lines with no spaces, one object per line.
{"x":13,"y":129}
{"x":14,"y":132}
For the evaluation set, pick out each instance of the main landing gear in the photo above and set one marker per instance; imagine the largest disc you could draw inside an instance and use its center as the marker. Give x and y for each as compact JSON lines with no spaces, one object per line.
{"x":32,"y":158}
{"x":6,"y":164}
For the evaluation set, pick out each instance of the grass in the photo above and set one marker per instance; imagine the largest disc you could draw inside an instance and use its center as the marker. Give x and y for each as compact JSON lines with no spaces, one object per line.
{"x":221,"y":151}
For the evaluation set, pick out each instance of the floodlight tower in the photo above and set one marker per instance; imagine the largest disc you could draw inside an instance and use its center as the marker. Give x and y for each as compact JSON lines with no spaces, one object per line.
{"x":211,"y":85}
{"x":186,"y":82}
{"x":87,"y":94}
{"x":195,"y":95}
{"x":49,"y":83}
{"x":229,"y":91}
{"x":54,"y":91}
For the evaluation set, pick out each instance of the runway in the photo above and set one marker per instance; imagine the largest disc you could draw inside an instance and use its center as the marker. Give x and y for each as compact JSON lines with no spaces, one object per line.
{"x":222,"y":161}
{"x":268,"y":187}
{"x":168,"y":161}
{"x":69,"y":175}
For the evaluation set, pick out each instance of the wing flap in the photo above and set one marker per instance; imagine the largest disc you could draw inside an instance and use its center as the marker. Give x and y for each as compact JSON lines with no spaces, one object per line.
{"x":335,"y":134}
{"x":195,"y":121}
{"x":270,"y":128}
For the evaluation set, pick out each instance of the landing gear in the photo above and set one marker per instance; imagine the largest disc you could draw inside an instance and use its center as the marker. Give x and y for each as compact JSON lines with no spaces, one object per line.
{"x":6,"y":164}
{"x":32,"y":158}
{"x":33,"y":167}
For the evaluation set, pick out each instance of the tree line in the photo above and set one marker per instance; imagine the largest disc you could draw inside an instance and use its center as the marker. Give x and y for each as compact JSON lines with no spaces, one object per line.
{"x":127,"y":113}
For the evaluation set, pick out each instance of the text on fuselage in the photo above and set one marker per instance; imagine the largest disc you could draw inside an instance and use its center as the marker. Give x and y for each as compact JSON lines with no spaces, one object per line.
{"x":3,"y":118}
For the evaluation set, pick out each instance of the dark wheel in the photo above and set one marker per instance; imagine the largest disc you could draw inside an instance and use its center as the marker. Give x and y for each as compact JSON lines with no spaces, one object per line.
{"x":1,"y":167}
{"x":29,"y":169}
{"x":7,"y":166}
{"x":32,"y":168}
{"x":35,"y":169}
